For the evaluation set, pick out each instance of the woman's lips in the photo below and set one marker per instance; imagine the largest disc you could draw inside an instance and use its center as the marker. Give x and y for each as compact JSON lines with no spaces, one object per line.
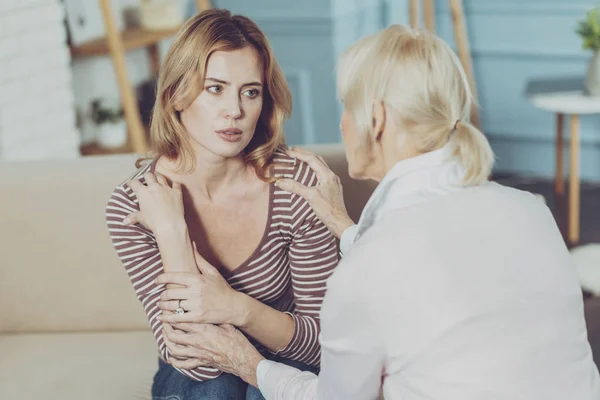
{"x":230,"y":135}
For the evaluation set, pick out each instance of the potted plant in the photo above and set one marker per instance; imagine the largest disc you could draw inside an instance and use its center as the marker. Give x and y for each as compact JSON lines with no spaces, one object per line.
{"x":111,"y":127}
{"x":589,"y":30}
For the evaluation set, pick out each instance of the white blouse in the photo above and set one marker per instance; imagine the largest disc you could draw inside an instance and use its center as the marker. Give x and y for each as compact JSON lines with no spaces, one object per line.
{"x":448,"y":292}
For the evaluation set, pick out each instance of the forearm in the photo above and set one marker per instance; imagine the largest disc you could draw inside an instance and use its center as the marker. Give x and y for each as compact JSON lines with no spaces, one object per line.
{"x":248,"y":366}
{"x":339,"y":224}
{"x":150,"y":306}
{"x":176,"y":252}
{"x":137,"y":249}
{"x":273,"y":329}
{"x":176,"y":248}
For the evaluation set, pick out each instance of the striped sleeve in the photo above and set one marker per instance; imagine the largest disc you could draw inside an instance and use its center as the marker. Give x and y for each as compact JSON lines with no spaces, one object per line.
{"x":313,"y":256}
{"x":138,"y":251}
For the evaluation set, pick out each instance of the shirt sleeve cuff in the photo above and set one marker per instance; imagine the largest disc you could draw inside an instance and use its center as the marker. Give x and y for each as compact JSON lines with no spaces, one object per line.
{"x":276,"y":381}
{"x":262,"y":370}
{"x":271,"y":377}
{"x":298,"y":338}
{"x":348,"y":238}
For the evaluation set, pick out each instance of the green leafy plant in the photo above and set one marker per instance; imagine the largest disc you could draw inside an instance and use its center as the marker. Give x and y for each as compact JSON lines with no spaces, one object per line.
{"x":589,"y":29}
{"x":102,"y":114}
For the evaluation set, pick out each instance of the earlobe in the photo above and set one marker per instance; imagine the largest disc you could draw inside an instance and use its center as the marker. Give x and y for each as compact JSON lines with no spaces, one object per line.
{"x":379,"y":116}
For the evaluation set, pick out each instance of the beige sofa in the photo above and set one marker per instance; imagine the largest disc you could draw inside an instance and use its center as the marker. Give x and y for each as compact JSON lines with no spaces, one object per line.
{"x":70,"y":325}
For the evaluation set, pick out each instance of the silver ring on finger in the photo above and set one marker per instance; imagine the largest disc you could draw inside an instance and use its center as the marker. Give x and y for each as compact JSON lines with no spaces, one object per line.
{"x":179,"y":310}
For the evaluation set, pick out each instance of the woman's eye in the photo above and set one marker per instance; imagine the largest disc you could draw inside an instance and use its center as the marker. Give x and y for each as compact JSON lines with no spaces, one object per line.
{"x":252,"y":93}
{"x":215,"y":89}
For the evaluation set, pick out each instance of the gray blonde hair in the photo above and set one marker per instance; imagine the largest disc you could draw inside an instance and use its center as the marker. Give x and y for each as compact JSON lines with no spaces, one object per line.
{"x":421,"y":81}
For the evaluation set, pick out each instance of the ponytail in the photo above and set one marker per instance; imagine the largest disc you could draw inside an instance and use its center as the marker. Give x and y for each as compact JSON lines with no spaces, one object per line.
{"x":473,"y":151}
{"x":423,"y":82}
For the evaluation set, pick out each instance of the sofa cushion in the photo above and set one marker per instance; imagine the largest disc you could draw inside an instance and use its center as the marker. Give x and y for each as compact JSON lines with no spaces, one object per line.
{"x":59,"y":269}
{"x":115,"y":365}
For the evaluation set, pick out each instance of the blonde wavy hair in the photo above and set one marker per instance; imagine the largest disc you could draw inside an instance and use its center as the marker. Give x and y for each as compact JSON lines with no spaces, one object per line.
{"x":421,"y":81}
{"x":181,"y":80}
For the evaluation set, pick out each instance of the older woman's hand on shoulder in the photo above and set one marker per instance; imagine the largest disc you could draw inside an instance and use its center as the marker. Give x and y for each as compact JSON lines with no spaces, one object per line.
{"x":326,"y":198}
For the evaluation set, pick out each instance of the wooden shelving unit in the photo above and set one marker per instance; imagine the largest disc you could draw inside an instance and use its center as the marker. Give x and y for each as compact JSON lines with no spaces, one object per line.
{"x":132,"y":39}
{"x":460,"y":37}
{"x":116,"y":44}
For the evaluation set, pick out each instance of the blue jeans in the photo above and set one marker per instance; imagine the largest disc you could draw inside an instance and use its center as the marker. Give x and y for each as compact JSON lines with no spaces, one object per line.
{"x":170,"y":384}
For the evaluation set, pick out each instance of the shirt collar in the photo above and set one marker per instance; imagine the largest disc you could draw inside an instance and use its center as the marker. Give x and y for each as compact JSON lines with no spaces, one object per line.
{"x":424,"y":161}
{"x":413,"y":181}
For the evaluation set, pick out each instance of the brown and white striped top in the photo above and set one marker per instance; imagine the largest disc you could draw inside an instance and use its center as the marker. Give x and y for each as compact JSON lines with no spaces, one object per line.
{"x":287,"y":271}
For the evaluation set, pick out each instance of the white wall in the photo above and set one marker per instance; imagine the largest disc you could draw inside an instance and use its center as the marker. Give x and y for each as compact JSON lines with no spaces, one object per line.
{"x":301,"y":35}
{"x":37,"y":119}
{"x":512,"y":42}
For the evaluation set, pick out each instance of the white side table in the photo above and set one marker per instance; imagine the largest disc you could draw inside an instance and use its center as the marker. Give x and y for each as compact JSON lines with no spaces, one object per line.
{"x":571,"y":103}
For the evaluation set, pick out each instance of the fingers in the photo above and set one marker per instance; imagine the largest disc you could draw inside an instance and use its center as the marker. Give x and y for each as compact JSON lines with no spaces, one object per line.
{"x":203,"y":266}
{"x":177,"y":337}
{"x":190,"y":363}
{"x":170,"y":305}
{"x":150,"y":179}
{"x":192,"y":327}
{"x":315,"y":162}
{"x":292,"y":186}
{"x":132,"y":218}
{"x":228,"y":327}
{"x":189,"y":327}
{"x":181,"y":351}
{"x":197,"y":256}
{"x":135,"y":185}
{"x":170,"y":334}
{"x":174,"y":294}
{"x":298,"y":150}
{"x":185,"y":318}
{"x":186,"y":279}
{"x":187,"y":353}
{"x":177,"y":350}
{"x":162,"y":180}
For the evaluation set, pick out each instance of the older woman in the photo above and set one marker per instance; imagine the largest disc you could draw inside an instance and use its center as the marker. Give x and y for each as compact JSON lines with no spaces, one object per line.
{"x":451,"y":286}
